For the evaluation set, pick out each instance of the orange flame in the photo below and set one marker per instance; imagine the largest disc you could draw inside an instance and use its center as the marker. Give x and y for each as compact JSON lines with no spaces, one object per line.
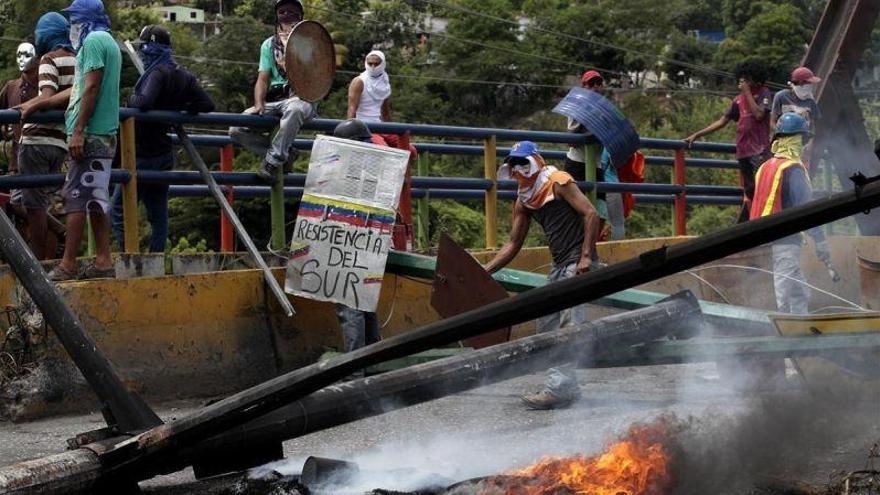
{"x":637,"y":464}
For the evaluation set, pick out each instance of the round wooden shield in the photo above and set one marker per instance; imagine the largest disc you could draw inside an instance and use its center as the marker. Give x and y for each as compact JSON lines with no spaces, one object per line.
{"x":310,"y":61}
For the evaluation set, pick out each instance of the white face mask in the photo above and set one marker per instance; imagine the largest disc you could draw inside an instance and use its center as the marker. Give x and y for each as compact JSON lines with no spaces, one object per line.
{"x":803,"y":92}
{"x":24,"y":54}
{"x":75,"y":32}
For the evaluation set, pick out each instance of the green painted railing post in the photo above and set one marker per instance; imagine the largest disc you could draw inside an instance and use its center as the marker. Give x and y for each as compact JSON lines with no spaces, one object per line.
{"x":276,"y":206}
{"x":92,"y":245}
{"x":422,"y":206}
{"x":592,"y":154}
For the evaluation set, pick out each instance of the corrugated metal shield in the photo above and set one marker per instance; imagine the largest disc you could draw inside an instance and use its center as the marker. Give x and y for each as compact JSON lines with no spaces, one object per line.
{"x":604,"y":120}
{"x":310,"y":61}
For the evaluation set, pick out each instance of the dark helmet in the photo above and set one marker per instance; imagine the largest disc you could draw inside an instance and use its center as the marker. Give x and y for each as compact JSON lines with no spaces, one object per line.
{"x":791,"y":123}
{"x":353,"y":129}
{"x":279,"y":3}
{"x":154,"y":33}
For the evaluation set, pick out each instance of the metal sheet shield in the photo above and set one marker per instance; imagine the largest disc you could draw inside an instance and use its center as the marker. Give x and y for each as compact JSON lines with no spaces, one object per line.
{"x":346,"y":218}
{"x":599,"y":116}
{"x":310,"y":61}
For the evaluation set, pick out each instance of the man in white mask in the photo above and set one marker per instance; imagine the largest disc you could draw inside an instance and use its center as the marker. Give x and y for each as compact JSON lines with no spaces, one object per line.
{"x":799,"y":98}
{"x":17,"y":91}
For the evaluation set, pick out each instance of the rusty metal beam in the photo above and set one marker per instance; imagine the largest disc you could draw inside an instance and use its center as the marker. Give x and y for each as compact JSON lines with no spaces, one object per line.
{"x":843,"y":34}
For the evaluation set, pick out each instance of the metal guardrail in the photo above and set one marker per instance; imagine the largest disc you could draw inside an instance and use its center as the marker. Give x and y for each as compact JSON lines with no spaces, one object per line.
{"x":488,"y":188}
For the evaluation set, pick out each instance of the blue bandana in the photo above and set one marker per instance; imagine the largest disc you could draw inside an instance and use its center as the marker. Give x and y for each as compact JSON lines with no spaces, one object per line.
{"x":153,"y":55}
{"x":51,"y":33}
{"x":90,"y":14}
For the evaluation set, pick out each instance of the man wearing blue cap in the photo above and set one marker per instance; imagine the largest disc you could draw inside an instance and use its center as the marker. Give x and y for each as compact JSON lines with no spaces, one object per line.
{"x":571,"y":224}
{"x":91,"y":123}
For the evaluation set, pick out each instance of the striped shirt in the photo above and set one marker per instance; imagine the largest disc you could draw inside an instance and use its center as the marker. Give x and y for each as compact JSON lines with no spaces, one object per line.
{"x":57,"y":69}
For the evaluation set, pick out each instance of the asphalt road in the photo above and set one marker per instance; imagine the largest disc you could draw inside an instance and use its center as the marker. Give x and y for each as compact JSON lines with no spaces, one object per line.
{"x":729,"y":438}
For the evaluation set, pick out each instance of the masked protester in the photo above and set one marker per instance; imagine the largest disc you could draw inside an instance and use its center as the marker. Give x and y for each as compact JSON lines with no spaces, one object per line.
{"x":750,"y":109}
{"x":571,"y":225}
{"x":91,"y":124}
{"x":164,"y":85}
{"x":782,"y":182}
{"x":799,"y":99}
{"x":44,"y":146}
{"x":17,"y":91}
{"x":273,"y":96}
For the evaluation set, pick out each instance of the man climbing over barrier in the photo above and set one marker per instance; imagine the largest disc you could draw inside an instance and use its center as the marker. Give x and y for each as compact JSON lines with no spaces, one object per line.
{"x":782,"y":182}
{"x":750,"y":109}
{"x":163,"y":86}
{"x":91,"y":123}
{"x":273,"y":96}
{"x":571,"y":225}
{"x":44,"y":146}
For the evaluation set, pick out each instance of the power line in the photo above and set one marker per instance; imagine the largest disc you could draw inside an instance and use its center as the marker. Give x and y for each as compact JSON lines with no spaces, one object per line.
{"x":698,"y":67}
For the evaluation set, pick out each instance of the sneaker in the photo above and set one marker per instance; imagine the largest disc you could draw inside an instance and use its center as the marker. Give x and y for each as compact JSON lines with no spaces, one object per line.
{"x":267,"y":172}
{"x":92,"y":271}
{"x":60,"y":274}
{"x":546,"y":399}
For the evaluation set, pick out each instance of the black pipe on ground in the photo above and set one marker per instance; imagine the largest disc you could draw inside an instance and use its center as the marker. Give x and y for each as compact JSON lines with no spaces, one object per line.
{"x":357,"y":399}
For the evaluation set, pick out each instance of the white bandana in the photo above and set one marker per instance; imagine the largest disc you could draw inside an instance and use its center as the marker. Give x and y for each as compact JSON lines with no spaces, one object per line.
{"x":376,"y":83}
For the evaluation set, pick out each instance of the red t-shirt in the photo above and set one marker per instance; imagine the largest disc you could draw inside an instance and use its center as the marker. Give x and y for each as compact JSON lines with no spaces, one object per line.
{"x":752,"y":135}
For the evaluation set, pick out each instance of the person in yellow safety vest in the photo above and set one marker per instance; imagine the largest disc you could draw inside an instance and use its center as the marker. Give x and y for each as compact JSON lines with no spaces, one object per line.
{"x":783,"y":182}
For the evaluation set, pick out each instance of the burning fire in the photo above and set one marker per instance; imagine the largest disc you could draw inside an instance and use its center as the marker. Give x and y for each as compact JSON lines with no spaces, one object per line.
{"x":636,"y":464}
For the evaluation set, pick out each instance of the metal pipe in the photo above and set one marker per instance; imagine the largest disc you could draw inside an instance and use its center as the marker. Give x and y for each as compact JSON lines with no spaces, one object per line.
{"x":679,"y":205}
{"x":239,"y":228}
{"x":226,"y":229}
{"x":122,"y":407}
{"x":139,"y":453}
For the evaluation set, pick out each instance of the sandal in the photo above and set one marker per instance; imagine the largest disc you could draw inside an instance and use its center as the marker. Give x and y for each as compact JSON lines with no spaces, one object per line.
{"x":60,"y":274}
{"x":92,"y":271}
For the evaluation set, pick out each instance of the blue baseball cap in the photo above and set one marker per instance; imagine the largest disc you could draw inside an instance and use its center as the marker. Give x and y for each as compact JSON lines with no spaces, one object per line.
{"x":523,"y":149}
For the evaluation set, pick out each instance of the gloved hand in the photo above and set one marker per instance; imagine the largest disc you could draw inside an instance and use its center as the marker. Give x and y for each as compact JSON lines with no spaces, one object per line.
{"x":822,"y":252}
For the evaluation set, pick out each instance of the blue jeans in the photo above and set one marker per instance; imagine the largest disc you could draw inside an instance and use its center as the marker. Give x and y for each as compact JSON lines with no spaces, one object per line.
{"x":359,"y":328}
{"x":155,"y":199}
{"x":561,"y":380}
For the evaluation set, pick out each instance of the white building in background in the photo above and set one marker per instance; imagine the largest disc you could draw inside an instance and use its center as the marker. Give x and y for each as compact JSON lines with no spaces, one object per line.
{"x":179,"y":13}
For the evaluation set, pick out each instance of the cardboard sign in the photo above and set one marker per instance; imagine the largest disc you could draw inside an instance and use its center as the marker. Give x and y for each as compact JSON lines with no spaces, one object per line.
{"x":343,"y":229}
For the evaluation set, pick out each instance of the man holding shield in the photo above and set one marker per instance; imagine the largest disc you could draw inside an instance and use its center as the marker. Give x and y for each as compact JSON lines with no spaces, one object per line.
{"x":273,"y":96}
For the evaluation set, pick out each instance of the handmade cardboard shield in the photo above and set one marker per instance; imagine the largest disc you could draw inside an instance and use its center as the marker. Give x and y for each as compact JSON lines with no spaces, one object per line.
{"x":599,"y":116}
{"x":310,"y":61}
{"x":462,"y":284}
{"x":345,"y":221}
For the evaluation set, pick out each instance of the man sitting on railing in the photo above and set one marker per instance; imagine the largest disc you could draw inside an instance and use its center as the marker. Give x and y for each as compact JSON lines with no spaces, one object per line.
{"x":571,"y":225}
{"x":272,"y":96}
{"x":163,"y":86}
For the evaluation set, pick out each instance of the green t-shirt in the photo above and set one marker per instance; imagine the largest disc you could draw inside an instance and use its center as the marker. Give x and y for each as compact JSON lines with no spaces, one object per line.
{"x":267,"y":64}
{"x":98,"y":51}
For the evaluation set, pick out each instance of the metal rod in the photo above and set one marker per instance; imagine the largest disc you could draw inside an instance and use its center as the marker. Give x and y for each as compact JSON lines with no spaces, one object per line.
{"x":276,"y":212}
{"x":226,"y":230}
{"x":137,"y":454}
{"x":122,"y":407}
{"x":592,"y":157}
{"x":239,"y":228}
{"x":679,"y":178}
